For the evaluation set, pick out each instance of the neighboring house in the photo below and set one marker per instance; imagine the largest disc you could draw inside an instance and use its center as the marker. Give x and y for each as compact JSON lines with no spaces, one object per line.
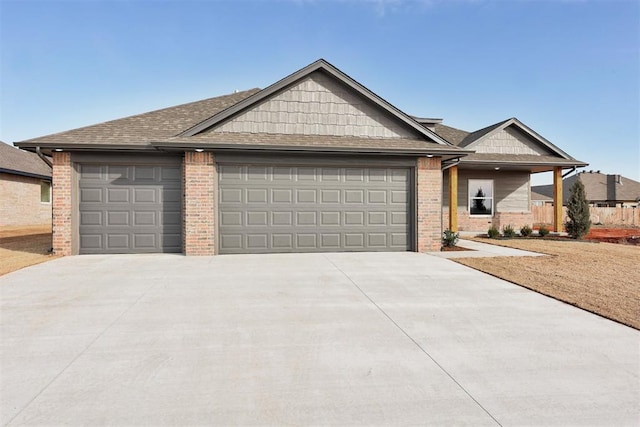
{"x":602,"y":190}
{"x":25,"y":188}
{"x":538,"y":199}
{"x":315,"y":162}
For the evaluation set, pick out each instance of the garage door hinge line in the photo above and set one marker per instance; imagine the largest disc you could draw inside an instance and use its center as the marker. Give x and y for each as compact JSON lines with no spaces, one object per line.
{"x":414,"y":341}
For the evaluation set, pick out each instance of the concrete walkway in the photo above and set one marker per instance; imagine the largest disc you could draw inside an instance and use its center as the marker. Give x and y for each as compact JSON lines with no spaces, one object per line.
{"x":483,"y":250}
{"x":302,"y":339}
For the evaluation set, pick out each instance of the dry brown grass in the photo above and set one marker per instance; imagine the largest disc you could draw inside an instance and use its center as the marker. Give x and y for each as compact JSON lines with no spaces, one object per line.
{"x":603,"y":278}
{"x":24,"y":246}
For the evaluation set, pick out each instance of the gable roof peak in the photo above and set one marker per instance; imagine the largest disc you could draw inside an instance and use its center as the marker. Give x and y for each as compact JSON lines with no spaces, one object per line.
{"x":475,"y":137}
{"x":283,"y":84}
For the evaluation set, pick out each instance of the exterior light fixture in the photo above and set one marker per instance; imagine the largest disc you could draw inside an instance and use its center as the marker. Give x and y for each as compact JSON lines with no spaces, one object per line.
{"x":429,"y":155}
{"x":497,"y":168}
{"x":199,"y":150}
{"x":57,"y":149}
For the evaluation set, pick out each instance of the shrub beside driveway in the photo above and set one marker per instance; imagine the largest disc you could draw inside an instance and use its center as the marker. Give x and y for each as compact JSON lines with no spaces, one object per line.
{"x":599,"y":277}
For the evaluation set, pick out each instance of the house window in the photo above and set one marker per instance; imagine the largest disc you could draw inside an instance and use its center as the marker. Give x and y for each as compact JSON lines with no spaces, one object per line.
{"x":45,"y":192}
{"x":481,"y":196}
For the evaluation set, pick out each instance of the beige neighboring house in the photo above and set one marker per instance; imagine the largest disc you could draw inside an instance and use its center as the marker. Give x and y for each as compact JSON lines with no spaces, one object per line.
{"x":602,"y":190}
{"x":25,"y":188}
{"x":538,"y":199}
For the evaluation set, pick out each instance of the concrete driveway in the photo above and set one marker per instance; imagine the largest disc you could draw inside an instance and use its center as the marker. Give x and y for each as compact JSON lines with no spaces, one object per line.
{"x":365,"y":338}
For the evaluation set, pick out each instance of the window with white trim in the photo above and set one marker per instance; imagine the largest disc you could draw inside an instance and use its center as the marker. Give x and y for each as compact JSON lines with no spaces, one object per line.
{"x":45,"y":192}
{"x":481,"y":196}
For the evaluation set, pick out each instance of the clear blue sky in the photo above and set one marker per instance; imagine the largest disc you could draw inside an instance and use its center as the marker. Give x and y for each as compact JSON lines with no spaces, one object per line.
{"x":568,"y":69}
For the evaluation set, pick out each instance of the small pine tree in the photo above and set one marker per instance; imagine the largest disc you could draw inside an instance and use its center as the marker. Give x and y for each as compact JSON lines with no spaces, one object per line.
{"x":479,"y":202}
{"x":579,"y":221}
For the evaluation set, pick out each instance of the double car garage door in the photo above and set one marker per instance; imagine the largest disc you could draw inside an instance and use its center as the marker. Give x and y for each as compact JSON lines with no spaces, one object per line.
{"x":261,"y":208}
{"x":312,"y":209}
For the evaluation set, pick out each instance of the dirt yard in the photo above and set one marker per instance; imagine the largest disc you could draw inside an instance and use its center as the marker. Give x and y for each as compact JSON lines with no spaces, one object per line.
{"x":603,"y":278}
{"x":24,"y":246}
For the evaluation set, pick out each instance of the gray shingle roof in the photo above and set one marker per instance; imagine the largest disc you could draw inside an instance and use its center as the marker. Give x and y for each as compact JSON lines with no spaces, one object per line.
{"x":451,"y":134}
{"x":598,"y":187}
{"x":19,"y":162}
{"x":182,"y":125}
{"x":143,"y":128}
{"x":463,"y":138}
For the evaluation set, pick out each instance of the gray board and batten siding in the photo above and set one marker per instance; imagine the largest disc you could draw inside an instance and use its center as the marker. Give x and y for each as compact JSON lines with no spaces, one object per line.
{"x":129,"y":205}
{"x":314,"y":206}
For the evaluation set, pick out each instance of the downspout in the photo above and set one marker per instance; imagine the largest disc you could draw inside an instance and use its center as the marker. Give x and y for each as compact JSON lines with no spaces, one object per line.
{"x":43,"y":157}
{"x":446,"y":165}
{"x":572,"y":170}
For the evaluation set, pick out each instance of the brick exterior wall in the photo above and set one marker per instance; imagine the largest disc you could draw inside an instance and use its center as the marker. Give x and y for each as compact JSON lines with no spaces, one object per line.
{"x":515,"y":219}
{"x":467,"y":222}
{"x":198,"y":215}
{"x":429,"y":200}
{"x":62,"y":203}
{"x":20,"y":203}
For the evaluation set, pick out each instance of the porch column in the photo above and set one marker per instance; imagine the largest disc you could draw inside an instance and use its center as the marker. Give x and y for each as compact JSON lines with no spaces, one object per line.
{"x":557,"y":199}
{"x":453,"y":198}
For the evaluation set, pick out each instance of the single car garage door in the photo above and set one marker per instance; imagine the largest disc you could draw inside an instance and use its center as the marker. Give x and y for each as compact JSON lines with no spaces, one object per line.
{"x":130,"y":208}
{"x":266,"y":209}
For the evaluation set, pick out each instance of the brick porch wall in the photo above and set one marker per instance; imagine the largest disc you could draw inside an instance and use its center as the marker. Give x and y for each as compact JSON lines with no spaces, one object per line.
{"x":481,"y":224}
{"x":20,"y":201}
{"x":429,"y":200}
{"x":198,"y":216}
{"x":62,"y":203}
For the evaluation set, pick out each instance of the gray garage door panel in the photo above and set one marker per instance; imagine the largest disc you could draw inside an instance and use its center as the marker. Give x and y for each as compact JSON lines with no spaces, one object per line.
{"x":313,"y":209}
{"x":130,"y":209}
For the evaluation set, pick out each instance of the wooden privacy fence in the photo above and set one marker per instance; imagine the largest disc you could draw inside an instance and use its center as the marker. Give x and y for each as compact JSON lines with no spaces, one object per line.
{"x":606,"y":216}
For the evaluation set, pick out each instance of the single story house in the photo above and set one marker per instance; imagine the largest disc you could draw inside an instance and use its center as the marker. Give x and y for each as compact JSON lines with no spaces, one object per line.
{"x":25,"y":188}
{"x":602,"y":190}
{"x":539,"y":199}
{"x":314,"y":162}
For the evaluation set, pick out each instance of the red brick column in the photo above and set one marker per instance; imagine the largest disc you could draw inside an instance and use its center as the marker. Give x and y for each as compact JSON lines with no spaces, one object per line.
{"x":198,"y":215}
{"x":429,"y":199}
{"x":62,"y":204}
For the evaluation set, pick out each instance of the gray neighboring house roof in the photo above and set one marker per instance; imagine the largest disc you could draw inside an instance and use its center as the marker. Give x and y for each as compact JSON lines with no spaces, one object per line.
{"x":18,"y":162}
{"x":539,"y":196}
{"x":183,"y":127}
{"x":598,"y":187}
{"x":461,"y":138}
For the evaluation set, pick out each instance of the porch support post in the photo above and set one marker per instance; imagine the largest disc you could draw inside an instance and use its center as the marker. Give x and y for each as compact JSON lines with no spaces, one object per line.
{"x":557,"y":199}
{"x":453,"y":198}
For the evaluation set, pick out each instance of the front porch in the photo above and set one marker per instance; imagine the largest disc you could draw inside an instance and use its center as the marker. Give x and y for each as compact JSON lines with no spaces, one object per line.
{"x":477,"y":198}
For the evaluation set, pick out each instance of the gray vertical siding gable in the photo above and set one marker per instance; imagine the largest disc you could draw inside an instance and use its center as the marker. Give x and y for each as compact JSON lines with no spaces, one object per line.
{"x":318,"y":105}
